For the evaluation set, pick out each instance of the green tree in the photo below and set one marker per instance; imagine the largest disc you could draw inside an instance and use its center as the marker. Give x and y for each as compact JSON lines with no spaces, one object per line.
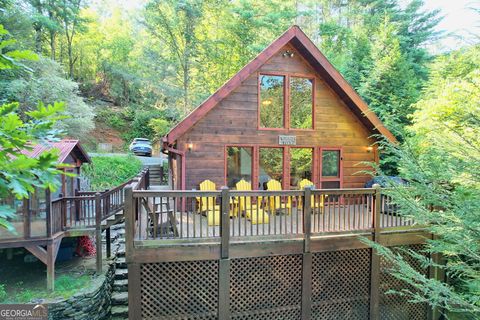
{"x":441,"y":159}
{"x":47,"y":83}
{"x":19,"y":174}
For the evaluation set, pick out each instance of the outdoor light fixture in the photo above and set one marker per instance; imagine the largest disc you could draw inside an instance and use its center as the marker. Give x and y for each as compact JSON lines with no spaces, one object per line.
{"x":289,"y":54}
{"x":267,"y":102}
{"x":189,"y":146}
{"x":369,"y":149}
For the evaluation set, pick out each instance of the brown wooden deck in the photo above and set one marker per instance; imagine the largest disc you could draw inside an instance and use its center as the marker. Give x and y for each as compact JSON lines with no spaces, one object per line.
{"x":310,"y":264}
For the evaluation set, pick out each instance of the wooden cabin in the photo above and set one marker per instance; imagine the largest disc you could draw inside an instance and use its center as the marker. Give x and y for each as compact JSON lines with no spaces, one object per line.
{"x":287,"y":115}
{"x":72,"y":154}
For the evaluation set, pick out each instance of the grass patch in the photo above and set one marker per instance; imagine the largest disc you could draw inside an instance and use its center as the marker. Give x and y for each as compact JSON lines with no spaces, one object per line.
{"x":65,"y":287}
{"x":107,"y":172}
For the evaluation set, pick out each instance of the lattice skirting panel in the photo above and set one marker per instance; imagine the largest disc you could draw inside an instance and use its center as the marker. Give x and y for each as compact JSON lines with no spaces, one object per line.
{"x":393,"y":306}
{"x":341,"y":284}
{"x":266,"y":287}
{"x":179,"y":290}
{"x":270,"y":287}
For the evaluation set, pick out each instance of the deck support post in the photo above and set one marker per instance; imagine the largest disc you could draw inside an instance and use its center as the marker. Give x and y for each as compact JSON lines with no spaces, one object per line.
{"x":98,"y":231}
{"x":375,"y":258}
{"x":51,"y":253}
{"x":48,"y":210}
{"x":224,"y":262}
{"x":109,"y":241}
{"x":307,"y":255}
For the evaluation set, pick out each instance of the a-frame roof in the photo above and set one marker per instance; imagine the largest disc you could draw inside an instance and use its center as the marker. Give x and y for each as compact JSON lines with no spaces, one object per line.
{"x":318,"y":61}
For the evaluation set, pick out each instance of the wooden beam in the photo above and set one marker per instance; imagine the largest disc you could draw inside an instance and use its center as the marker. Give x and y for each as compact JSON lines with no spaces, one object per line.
{"x":51,"y":254}
{"x":38,"y":252}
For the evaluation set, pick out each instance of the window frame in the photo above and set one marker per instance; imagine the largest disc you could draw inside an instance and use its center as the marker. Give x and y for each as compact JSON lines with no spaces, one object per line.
{"x":286,"y":100}
{"x":338,"y":179}
{"x":225,"y":160}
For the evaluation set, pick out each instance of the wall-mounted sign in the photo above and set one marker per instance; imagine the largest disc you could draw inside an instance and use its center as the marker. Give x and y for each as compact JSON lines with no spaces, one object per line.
{"x":287,"y":140}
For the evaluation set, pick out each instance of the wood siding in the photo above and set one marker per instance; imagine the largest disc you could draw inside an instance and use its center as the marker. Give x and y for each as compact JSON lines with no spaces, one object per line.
{"x":234,"y":121}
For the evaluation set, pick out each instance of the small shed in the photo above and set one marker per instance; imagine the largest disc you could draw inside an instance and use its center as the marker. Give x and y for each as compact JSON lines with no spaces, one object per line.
{"x":71,"y":153}
{"x":287,"y":115}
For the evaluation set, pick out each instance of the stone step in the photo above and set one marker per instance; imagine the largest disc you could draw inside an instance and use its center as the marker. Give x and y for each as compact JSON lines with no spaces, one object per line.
{"x":121,"y":263}
{"x":121,"y":274}
{"x":119,"y":312}
{"x":120,"y":285}
{"x":119,"y":298}
{"x":121,"y":253}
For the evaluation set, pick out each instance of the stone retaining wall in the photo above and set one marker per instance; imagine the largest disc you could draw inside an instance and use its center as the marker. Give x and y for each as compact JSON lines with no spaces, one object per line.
{"x":92,"y":303}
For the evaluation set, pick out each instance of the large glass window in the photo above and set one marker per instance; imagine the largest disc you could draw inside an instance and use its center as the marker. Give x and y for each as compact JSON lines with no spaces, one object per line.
{"x":300,"y":165}
{"x":239,"y":165}
{"x":272,"y":101}
{"x":301,"y":103}
{"x":271,"y":166}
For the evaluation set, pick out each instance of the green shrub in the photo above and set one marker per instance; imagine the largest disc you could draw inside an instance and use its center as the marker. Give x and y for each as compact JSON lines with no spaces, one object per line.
{"x":3,"y":293}
{"x":106,"y":172}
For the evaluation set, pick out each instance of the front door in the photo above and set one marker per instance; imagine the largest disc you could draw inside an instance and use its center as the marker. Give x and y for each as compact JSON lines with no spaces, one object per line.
{"x":330,"y":168}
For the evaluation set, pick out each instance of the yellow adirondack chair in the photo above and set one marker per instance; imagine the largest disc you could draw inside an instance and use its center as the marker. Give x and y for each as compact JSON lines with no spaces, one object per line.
{"x":252,"y":211}
{"x":208,"y":205}
{"x":275,"y":203}
{"x":319,"y":203}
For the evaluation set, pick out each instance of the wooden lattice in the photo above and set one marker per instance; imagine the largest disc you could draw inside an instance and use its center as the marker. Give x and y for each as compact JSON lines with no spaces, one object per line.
{"x":394,"y":306}
{"x":341,"y":284}
{"x":179,"y":290}
{"x":266,"y":287}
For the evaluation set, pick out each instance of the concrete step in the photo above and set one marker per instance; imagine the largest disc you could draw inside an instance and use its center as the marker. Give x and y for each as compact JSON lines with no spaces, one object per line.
{"x":120,"y":298}
{"x":121,"y":263}
{"x":121,"y":274}
{"x":121,"y":253}
{"x":120,"y":285}
{"x":119,"y":312}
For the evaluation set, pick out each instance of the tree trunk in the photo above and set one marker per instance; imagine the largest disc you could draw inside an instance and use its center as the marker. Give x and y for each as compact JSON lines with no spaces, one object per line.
{"x":52,"y":45}
{"x":38,"y":40}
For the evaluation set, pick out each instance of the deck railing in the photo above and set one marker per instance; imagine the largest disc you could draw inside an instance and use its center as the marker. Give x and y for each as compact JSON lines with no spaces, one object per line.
{"x":207,"y":214}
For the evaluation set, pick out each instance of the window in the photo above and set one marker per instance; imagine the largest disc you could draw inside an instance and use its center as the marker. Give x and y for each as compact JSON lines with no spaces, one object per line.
{"x":271,"y":166}
{"x":239,"y":165}
{"x":300,"y":165}
{"x":273,"y":108}
{"x":272,"y":101}
{"x":301,"y":103}
{"x":330,"y":171}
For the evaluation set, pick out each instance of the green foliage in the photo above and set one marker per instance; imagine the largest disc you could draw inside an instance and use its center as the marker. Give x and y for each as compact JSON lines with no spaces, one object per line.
{"x":441,"y":159}
{"x":65,"y":287}
{"x":10,"y":59}
{"x":19,"y":174}
{"x":47,"y":83}
{"x":107,"y":172}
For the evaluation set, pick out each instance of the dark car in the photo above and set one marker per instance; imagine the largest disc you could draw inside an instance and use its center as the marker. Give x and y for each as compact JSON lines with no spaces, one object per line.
{"x":141,"y":146}
{"x":387,"y":206}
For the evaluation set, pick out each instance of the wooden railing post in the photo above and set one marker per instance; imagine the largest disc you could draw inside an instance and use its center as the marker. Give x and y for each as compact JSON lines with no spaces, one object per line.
{"x":307,"y":255}
{"x":48,"y":211}
{"x":63,"y":212}
{"x":128,"y":213}
{"x":27,"y":218}
{"x":224,"y":263}
{"x":375,"y":258}
{"x":98,"y":231}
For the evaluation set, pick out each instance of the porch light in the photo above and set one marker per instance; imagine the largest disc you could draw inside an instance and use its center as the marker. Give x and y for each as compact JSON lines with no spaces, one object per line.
{"x":369,"y":149}
{"x":288,"y":54}
{"x":189,"y":146}
{"x":267,"y":102}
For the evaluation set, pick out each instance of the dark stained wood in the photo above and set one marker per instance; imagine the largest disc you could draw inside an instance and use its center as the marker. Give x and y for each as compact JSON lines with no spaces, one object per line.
{"x":224,"y":289}
{"x":307,"y":286}
{"x":310,"y":53}
{"x":234,"y":122}
{"x":134,"y":295}
{"x":98,"y":232}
